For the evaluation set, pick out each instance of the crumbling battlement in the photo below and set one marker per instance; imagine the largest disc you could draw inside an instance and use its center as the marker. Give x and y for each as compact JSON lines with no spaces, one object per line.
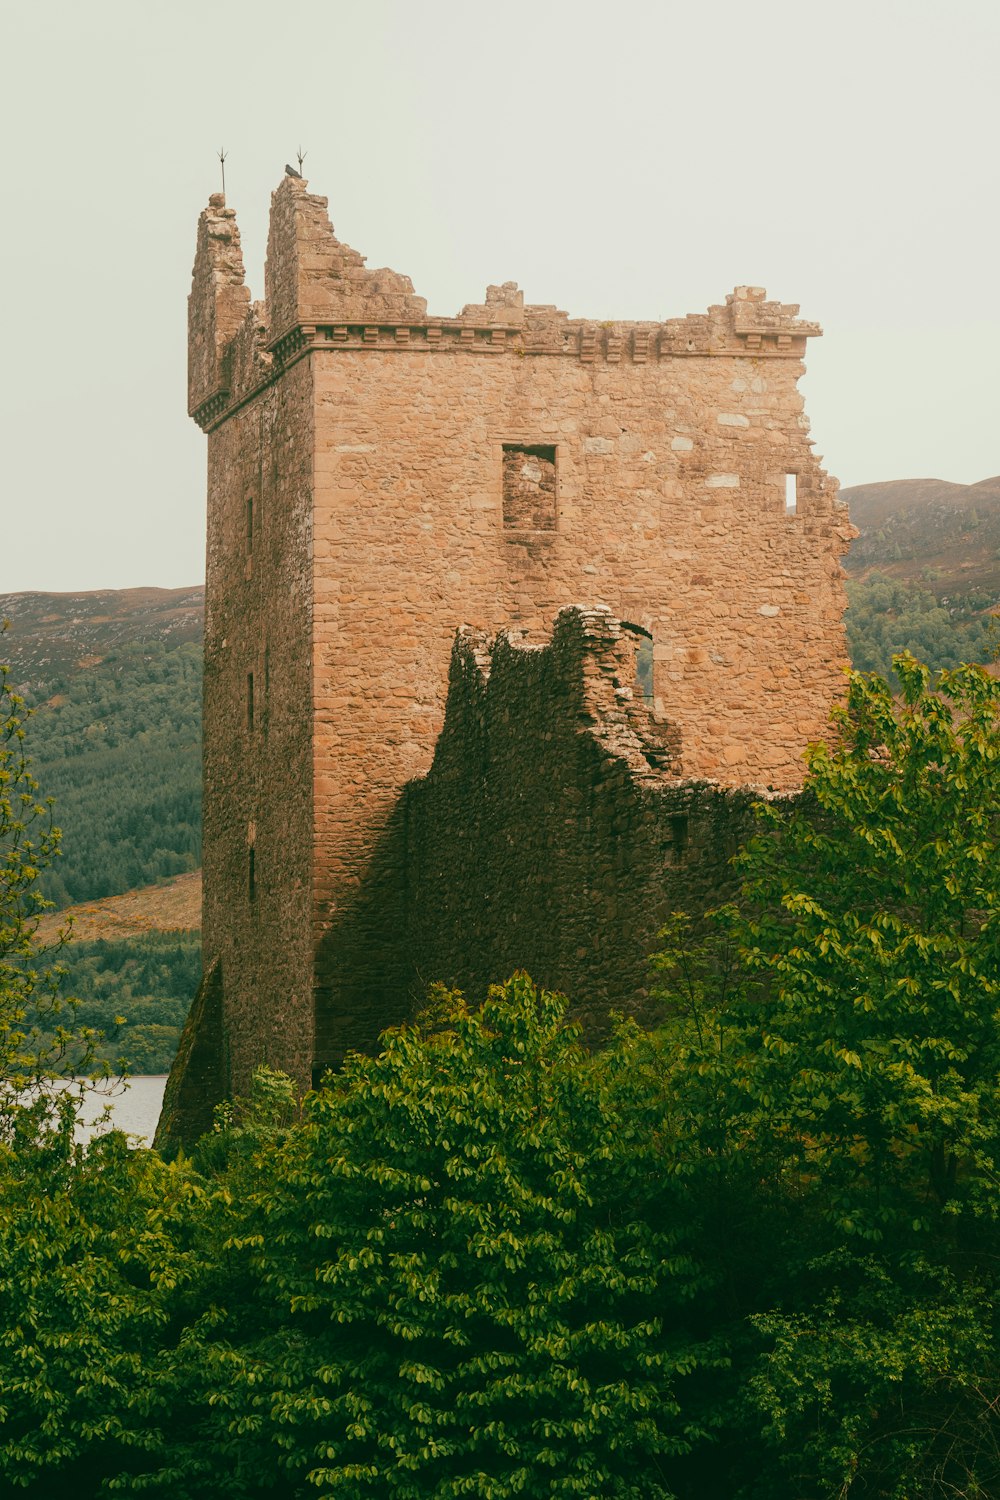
{"x":318,"y":292}
{"x":588,"y":672}
{"x":218,"y":303}
{"x":377,"y":475}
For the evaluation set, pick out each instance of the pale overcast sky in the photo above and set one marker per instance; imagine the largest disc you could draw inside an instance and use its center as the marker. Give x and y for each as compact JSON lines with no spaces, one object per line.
{"x":630,"y":160}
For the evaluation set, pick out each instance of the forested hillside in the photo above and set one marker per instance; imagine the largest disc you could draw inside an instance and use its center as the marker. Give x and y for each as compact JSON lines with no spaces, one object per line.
{"x":114,"y":678}
{"x":928,"y":531}
{"x":146,"y":983}
{"x":924,"y":573}
{"x":134,"y":963}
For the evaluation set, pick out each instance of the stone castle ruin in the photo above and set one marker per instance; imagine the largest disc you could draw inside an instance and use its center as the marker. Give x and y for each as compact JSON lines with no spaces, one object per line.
{"x":627,"y":528}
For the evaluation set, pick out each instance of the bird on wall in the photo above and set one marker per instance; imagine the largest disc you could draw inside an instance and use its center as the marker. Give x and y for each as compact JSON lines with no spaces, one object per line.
{"x":291,"y":172}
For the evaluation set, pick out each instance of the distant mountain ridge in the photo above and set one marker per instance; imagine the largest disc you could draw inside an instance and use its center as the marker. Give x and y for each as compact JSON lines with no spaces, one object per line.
{"x":945,"y":537}
{"x":51,"y":635}
{"x":871,"y":504}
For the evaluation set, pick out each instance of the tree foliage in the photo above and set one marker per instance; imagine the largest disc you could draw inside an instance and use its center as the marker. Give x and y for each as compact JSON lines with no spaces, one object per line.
{"x":438,"y":1281}
{"x":840,"y":1044}
{"x":878,"y":933}
{"x":39,"y":1029}
{"x":487,"y":1314}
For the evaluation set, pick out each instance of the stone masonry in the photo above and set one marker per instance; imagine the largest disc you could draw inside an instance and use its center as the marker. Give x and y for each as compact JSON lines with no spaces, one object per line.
{"x":378,"y":477}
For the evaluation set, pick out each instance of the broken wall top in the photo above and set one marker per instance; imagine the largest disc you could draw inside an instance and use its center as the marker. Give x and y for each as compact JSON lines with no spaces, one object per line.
{"x":320,"y":294}
{"x":591,"y":674}
{"x":218,"y":302}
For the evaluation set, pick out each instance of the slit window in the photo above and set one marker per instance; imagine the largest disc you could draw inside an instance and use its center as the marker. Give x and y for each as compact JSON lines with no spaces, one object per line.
{"x":529,"y":487}
{"x":644,"y":668}
{"x":249,"y":525}
{"x":679,"y":832}
{"x":791,"y":494}
{"x":643,"y":660}
{"x":251,"y":873}
{"x":250,"y":700}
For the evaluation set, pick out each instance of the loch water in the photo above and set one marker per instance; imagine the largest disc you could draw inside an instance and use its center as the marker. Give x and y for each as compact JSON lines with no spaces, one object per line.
{"x":134,"y":1106}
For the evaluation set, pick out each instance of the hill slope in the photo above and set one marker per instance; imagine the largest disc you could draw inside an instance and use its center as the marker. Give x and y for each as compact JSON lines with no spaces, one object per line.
{"x":54,"y":636}
{"x":924,"y":573}
{"x":927,"y":531}
{"x":114,"y":678}
{"x":172,"y":905}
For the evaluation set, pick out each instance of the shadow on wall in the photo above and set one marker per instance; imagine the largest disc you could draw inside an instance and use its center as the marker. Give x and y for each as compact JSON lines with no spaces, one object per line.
{"x":550,"y":835}
{"x":365,"y":980}
{"x":198,"y":1079}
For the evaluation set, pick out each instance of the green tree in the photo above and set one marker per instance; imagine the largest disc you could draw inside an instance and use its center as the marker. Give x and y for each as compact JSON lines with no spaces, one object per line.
{"x":834,"y":1066}
{"x":83,"y":1259}
{"x":37,"y":1032}
{"x":461,"y":1294}
{"x":876,"y":931}
{"x":442,"y":1275}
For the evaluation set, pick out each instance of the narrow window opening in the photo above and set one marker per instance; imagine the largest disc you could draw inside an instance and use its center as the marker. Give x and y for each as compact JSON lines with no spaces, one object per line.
{"x":644,"y":668}
{"x":679,"y":832}
{"x":643,"y":660}
{"x":267,"y":686}
{"x":249,"y":525}
{"x":529,"y":487}
{"x":791,"y":494}
{"x":252,"y":873}
{"x":250,"y":700}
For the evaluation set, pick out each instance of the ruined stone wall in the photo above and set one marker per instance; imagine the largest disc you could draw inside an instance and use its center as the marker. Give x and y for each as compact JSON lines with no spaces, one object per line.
{"x":552,"y":834}
{"x":486,"y":470}
{"x":217,"y":306}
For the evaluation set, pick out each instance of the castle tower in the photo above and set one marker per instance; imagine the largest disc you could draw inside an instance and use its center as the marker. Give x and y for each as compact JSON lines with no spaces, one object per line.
{"x":378,"y":477}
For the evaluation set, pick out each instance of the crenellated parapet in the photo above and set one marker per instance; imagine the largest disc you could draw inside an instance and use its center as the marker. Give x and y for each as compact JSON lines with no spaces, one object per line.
{"x":319,"y":294}
{"x":746,"y":324}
